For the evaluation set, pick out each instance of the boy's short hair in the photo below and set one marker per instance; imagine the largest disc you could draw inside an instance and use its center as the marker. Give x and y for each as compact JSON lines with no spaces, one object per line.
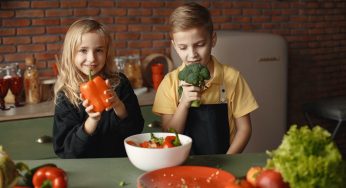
{"x":190,"y":15}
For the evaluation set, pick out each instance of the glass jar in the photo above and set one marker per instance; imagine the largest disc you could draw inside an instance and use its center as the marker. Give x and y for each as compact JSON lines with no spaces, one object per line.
{"x":31,"y":82}
{"x":133,"y":71}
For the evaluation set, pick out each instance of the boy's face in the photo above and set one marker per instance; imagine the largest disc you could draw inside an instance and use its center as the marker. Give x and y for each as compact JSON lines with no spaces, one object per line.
{"x":91,"y":53}
{"x":194,"y":45}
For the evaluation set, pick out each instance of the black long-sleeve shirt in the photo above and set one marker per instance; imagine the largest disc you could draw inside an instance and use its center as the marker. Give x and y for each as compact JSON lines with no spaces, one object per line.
{"x":71,"y":141}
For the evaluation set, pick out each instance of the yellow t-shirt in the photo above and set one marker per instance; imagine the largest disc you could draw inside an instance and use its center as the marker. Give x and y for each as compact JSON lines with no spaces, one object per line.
{"x":240,"y":100}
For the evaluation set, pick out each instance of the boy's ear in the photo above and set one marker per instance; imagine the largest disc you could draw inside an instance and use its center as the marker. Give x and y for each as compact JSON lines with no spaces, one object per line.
{"x":214,"y":39}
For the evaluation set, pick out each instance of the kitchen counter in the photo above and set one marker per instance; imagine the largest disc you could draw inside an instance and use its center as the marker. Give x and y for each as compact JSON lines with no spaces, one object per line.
{"x":45,"y":109}
{"x":108,"y":172}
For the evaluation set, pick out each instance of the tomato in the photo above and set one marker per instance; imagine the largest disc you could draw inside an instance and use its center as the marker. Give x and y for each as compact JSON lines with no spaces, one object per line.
{"x":131,"y":143}
{"x":270,"y":179}
{"x":168,"y":143}
{"x":53,"y":176}
{"x":144,"y":144}
{"x":252,"y":174}
{"x":239,"y":183}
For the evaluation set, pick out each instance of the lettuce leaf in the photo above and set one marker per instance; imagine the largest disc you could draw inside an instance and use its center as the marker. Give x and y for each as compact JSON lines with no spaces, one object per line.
{"x":308,"y":158}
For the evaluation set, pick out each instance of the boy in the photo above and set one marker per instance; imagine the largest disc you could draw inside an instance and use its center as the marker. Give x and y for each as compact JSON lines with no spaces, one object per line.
{"x":222,"y":124}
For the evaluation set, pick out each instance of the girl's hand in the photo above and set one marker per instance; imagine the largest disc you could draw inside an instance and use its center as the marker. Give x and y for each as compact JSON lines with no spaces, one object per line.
{"x":89,"y":109}
{"x":114,"y":99}
{"x":189,"y":94}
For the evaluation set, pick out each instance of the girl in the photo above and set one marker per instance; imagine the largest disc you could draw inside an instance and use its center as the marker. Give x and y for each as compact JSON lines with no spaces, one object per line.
{"x":79,"y":132}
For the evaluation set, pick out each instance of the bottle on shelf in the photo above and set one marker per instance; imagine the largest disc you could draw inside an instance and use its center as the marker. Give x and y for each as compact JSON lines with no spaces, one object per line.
{"x":31,"y":82}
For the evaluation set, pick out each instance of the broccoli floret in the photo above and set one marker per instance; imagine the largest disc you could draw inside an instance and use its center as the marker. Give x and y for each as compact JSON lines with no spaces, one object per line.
{"x":194,"y":74}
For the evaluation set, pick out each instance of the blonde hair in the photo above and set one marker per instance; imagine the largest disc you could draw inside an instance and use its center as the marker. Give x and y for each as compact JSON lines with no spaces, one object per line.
{"x":190,"y":15}
{"x":70,"y":77}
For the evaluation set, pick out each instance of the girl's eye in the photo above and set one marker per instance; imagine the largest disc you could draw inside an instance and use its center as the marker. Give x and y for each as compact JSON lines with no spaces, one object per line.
{"x":84,"y":51}
{"x":182,"y":47}
{"x":99,"y":50}
{"x":200,"y":44}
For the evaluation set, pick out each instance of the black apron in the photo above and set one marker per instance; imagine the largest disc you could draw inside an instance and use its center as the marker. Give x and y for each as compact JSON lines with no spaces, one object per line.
{"x":208,"y":127}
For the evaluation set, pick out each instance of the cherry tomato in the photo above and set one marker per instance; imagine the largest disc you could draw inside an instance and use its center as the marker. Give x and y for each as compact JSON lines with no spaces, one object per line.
{"x":239,"y":183}
{"x":270,"y":179}
{"x":252,"y":174}
{"x":168,"y":143}
{"x":144,"y":144}
{"x":131,"y":143}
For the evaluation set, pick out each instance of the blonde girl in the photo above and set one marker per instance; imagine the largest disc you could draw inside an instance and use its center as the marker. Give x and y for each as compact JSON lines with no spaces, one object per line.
{"x":78,"y":131}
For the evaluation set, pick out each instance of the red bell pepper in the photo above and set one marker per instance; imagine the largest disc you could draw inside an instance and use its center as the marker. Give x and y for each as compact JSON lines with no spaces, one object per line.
{"x":49,"y":176}
{"x":93,"y":90}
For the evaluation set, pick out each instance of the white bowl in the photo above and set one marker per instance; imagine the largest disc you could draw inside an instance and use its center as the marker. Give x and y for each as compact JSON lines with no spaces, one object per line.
{"x":148,"y":159}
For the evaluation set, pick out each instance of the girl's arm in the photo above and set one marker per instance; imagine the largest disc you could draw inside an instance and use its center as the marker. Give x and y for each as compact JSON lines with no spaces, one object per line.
{"x":242,"y":135}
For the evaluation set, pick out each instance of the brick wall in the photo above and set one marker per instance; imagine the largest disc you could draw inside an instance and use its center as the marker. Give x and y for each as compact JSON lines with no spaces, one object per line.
{"x":315,"y":32}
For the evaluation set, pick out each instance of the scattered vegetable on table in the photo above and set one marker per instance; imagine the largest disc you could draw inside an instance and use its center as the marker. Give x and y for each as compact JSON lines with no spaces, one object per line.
{"x":195,"y":74}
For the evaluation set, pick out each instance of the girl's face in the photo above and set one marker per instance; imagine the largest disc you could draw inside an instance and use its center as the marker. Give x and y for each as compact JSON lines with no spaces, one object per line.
{"x":194,"y":45}
{"x":91,"y":53}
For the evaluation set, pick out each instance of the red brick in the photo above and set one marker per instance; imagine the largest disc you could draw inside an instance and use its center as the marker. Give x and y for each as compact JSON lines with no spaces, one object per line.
{"x":117,"y":27}
{"x":162,"y":12}
{"x":44,"y":4}
{"x":56,"y":30}
{"x":45,"y":39}
{"x":139,"y":28}
{"x":44,"y":55}
{"x":29,"y":13}
{"x":165,"y":28}
{"x":222,"y":5}
{"x":54,"y":47}
{"x":151,"y":4}
{"x":140,"y":44}
{"x":20,"y":57}
{"x":1,"y":58}
{"x":113,"y":12}
{"x":126,"y":52}
{"x":242,"y":19}
{"x":15,"y":22}
{"x":59,"y":12}
{"x":240,"y":4}
{"x":105,"y":20}
{"x":139,"y":12}
{"x":152,"y":20}
{"x":119,"y":44}
{"x":100,"y":3}
{"x":7,"y":32}
{"x":67,"y":21}
{"x":30,"y":30}
{"x":161,"y":44}
{"x":16,"y":40}
{"x":126,"y":20}
{"x":6,"y":13}
{"x":280,"y":19}
{"x":7,"y":49}
{"x":14,"y":4}
{"x":262,"y":5}
{"x":259,"y":19}
{"x":128,"y":4}
{"x":251,"y":12}
{"x":127,"y":36}
{"x":31,"y":48}
{"x":46,"y":21}
{"x":72,"y":4}
{"x":222,"y":19}
{"x":147,"y":51}
{"x":152,"y":36}
{"x":232,"y":26}
{"x":87,"y":12}
{"x":227,"y":12}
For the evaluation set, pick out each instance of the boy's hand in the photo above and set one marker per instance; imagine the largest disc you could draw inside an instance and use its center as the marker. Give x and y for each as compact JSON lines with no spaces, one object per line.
{"x":189,"y":94}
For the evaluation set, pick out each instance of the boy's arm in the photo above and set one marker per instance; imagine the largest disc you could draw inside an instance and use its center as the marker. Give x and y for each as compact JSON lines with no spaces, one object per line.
{"x":242,"y":135}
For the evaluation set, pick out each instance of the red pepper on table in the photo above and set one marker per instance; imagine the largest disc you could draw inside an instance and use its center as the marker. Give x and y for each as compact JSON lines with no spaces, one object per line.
{"x":49,"y":176}
{"x":93,"y":90}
